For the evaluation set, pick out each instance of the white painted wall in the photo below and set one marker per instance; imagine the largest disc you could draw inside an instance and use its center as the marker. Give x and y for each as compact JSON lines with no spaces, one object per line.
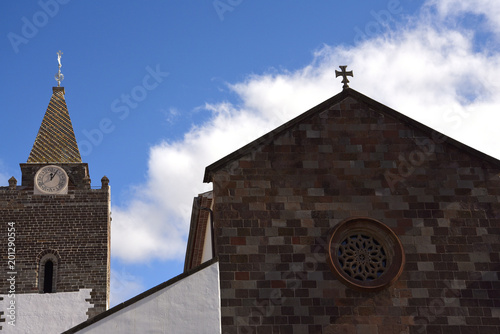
{"x":191,"y":305}
{"x":48,"y":313}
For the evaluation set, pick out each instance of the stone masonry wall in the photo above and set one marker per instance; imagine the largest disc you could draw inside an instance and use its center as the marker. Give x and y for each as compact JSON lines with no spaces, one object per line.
{"x":74,"y":226}
{"x":276,"y":206}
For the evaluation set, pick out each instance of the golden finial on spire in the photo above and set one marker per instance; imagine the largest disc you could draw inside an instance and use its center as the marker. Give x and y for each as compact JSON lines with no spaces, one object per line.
{"x":59,"y":76}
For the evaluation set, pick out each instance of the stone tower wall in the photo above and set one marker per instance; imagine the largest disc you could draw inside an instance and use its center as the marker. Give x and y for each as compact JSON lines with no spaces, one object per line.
{"x":74,"y":227}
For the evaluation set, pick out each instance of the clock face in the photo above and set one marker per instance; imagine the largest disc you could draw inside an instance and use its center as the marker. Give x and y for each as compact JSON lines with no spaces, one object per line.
{"x":51,"y":180}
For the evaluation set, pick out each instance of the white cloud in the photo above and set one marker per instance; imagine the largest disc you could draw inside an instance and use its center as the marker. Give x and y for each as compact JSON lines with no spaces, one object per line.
{"x":156,"y":222}
{"x":487,"y":9}
{"x":431,"y":71}
{"x":123,"y":287}
{"x":170,"y":115}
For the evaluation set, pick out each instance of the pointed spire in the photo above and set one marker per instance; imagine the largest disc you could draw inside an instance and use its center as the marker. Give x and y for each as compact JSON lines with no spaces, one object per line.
{"x":55,"y":141}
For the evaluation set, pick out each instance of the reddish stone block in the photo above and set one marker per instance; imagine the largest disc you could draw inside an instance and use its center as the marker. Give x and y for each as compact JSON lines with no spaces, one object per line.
{"x":238,"y":241}
{"x":241,"y":276}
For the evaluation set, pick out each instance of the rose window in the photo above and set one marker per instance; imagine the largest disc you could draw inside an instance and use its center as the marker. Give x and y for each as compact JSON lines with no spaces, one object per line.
{"x":362,"y":257}
{"x":365,"y":254}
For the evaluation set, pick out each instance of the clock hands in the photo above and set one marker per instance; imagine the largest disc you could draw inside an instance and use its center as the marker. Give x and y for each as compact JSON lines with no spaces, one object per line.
{"x":51,"y":180}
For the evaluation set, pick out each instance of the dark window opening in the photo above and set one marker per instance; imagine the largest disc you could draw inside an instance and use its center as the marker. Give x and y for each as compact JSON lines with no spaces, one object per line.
{"x":47,"y":278}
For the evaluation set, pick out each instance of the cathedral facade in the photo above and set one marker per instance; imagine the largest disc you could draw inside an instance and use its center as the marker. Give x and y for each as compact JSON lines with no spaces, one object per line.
{"x":353,"y":218}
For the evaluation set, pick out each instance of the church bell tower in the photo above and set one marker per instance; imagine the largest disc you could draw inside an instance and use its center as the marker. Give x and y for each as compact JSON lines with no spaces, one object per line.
{"x":56,"y":232}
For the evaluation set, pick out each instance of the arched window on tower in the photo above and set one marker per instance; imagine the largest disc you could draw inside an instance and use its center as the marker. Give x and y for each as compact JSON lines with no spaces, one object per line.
{"x":48,"y":275}
{"x":48,"y":262}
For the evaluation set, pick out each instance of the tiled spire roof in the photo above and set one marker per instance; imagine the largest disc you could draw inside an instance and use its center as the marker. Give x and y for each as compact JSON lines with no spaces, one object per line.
{"x":55,"y":141}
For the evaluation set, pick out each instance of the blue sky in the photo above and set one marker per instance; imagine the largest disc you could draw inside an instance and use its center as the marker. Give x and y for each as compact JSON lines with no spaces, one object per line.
{"x":157,"y":90}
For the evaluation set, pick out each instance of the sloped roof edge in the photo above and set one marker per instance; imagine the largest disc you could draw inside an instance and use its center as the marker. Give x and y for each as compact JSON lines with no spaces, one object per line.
{"x":348,"y":92}
{"x":140,"y":296}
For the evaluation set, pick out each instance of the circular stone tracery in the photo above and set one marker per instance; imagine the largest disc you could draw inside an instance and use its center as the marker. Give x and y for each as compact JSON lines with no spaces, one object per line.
{"x":362,"y":257}
{"x":365,"y":254}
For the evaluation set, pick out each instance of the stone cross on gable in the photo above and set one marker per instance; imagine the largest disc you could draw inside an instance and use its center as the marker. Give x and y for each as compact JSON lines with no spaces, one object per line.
{"x":344,"y":74}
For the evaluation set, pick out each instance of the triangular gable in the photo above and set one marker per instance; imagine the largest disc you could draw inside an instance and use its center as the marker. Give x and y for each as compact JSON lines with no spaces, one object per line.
{"x":361,"y":98}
